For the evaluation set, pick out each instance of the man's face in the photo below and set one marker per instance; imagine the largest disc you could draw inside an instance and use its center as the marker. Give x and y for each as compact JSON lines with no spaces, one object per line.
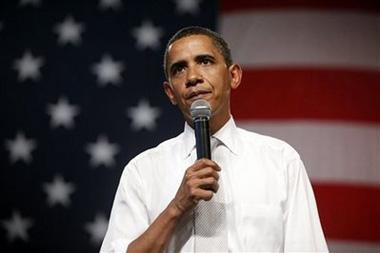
{"x":196,"y":69}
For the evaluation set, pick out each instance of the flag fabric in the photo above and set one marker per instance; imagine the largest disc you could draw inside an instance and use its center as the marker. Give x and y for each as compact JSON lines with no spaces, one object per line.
{"x":311,"y":76}
{"x":81,"y":95}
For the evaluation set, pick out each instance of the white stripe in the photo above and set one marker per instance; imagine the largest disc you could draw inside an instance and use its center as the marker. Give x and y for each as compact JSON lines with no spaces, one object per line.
{"x":313,"y":38}
{"x":352,"y":247}
{"x":335,"y":152}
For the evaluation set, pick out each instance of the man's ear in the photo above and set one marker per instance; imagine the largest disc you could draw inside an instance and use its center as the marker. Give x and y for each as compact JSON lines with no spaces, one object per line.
{"x":236,"y":74}
{"x":169,"y":92}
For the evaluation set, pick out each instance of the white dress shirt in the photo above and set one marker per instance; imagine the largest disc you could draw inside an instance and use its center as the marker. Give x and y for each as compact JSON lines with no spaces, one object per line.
{"x":270,"y":205}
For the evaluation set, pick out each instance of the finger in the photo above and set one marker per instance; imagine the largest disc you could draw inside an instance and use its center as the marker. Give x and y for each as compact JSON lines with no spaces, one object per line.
{"x":202,"y":163}
{"x":201,"y":194}
{"x":206,"y":172}
{"x":209,"y":184}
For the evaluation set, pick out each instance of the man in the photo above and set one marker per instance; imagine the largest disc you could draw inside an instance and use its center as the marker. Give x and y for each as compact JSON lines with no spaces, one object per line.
{"x":267,"y":200}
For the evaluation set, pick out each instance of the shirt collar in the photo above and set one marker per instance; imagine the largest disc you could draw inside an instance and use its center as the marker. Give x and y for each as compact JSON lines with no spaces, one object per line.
{"x":225,"y":135}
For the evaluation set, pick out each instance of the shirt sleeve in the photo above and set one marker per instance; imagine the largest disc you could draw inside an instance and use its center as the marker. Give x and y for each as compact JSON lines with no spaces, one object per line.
{"x":303,"y":231}
{"x":129,"y":217}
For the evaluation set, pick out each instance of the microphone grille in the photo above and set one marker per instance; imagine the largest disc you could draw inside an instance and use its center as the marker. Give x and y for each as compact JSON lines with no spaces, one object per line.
{"x":200,"y":108}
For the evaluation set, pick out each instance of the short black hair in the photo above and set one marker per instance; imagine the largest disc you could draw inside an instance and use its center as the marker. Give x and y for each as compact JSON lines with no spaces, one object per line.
{"x":216,"y":38}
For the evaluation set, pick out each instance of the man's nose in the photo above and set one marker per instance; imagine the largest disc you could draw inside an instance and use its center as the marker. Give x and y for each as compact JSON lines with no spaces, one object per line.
{"x":193,"y":77}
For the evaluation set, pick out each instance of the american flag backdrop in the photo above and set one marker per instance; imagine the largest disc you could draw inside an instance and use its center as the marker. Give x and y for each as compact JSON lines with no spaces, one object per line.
{"x":312,"y":77}
{"x":81,"y":95}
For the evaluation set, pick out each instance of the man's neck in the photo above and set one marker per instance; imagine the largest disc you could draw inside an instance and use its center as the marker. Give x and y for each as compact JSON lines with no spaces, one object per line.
{"x":216,"y":124}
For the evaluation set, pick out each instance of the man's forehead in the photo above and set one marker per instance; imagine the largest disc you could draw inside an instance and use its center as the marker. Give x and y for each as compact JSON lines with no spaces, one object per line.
{"x":191,"y":45}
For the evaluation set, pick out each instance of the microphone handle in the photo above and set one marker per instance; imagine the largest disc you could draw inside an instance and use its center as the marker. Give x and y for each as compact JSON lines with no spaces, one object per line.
{"x":202,"y":137}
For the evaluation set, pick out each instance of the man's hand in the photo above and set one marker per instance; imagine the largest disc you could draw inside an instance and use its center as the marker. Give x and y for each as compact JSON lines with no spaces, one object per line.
{"x":200,"y":182}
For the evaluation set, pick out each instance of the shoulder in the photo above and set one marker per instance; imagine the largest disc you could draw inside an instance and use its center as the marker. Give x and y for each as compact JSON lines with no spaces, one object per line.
{"x":267,"y":143}
{"x":155,"y":155}
{"x":144,"y":169}
{"x":160,"y":150}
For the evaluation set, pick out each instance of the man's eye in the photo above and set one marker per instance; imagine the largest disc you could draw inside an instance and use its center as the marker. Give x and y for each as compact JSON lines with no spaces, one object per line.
{"x":206,"y":61}
{"x":178,"y":70}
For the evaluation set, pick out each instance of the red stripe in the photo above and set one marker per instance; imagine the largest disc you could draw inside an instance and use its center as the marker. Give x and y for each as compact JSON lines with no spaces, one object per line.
{"x":349,"y":212}
{"x":244,"y":5}
{"x":308,"y":94}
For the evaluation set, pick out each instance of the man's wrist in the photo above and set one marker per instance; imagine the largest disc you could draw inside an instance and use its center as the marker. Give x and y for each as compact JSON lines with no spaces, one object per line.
{"x":175,"y":211}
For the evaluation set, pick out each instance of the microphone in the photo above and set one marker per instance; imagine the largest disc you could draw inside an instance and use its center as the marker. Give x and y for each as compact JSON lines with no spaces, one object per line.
{"x":200,"y":112}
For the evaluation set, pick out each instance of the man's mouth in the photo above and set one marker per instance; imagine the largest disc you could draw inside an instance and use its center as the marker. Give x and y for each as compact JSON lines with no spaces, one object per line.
{"x":198,"y":94}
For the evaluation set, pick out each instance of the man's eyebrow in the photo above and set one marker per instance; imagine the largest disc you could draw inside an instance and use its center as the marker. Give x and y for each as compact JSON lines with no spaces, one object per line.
{"x":204,"y":56}
{"x":181,"y":63}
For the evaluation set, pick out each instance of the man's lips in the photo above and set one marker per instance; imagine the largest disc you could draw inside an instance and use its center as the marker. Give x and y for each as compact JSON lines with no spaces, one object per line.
{"x":194,"y":95}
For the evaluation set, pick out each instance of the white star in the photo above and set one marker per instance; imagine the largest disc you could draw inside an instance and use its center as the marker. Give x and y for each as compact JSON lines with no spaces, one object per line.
{"x":102,"y":152}
{"x":143,"y":115}
{"x":108,"y":71}
{"x":30,"y":2}
{"x":62,"y":113}
{"x":110,"y":4}
{"x":69,"y":31}
{"x":58,"y":191}
{"x":187,"y":6}
{"x":147,"y":36}
{"x":28,"y":67}
{"x":97,"y":229}
{"x":20,"y":148}
{"x":17,"y":227}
